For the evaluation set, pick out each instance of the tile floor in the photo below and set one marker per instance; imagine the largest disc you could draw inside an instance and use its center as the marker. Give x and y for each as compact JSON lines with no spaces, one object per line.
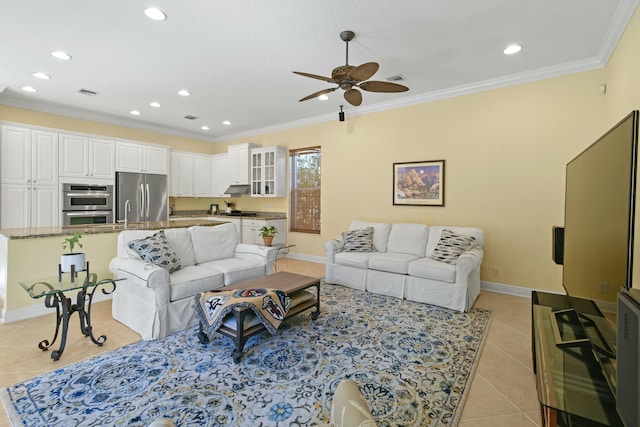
{"x":503,"y":391}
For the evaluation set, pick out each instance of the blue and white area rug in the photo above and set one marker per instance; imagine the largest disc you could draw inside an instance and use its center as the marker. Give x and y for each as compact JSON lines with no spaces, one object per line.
{"x":413,"y":363}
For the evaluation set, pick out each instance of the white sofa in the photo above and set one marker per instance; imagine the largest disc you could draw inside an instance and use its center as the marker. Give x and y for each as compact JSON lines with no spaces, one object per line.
{"x":156,"y":303}
{"x":402,"y":264}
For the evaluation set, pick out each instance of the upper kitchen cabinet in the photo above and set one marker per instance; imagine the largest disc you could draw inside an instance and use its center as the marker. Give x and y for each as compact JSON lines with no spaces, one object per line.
{"x":238,"y":163}
{"x":133,"y":157}
{"x":219,"y":175}
{"x":29,"y":193}
{"x":28,"y":156}
{"x":269,"y":171}
{"x":189,"y":174}
{"x":87,"y":157}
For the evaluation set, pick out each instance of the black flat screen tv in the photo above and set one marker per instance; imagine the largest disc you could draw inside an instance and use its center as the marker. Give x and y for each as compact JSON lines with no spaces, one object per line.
{"x":600,"y":195}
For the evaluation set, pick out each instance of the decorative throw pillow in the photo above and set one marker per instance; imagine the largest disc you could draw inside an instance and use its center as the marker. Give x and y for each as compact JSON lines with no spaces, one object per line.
{"x":358,"y":240}
{"x":156,"y":250}
{"x":451,"y":245}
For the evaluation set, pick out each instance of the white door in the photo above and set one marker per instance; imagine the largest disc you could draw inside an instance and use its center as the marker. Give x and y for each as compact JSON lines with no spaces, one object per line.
{"x":102,"y":158}
{"x":201,"y":175}
{"x":14,"y":205}
{"x":73,"y":156}
{"x":156,"y":160}
{"x":44,"y":157}
{"x":15,"y":155}
{"x":44,"y":206}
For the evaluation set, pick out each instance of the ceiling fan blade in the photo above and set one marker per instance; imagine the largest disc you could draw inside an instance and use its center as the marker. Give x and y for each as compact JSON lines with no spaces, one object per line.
{"x":375,"y":86}
{"x":364,"y":71}
{"x":353,"y":97}
{"x":317,"y":94}
{"x":315,"y":76}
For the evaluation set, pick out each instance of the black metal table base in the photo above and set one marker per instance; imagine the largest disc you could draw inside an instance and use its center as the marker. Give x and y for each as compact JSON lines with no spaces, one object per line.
{"x":65,"y":308}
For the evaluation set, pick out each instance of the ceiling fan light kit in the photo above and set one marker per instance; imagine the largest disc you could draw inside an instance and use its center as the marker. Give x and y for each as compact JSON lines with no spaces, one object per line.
{"x":350,"y":79}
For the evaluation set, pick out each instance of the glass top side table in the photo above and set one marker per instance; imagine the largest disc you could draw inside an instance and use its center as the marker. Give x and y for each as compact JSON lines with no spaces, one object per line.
{"x":53,"y":290}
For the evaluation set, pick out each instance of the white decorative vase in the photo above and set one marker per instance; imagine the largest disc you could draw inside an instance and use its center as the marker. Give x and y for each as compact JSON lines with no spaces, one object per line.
{"x":77,"y":259}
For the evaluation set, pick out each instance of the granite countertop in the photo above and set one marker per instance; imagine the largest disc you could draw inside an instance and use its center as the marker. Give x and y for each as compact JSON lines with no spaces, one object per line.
{"x":221,"y":215}
{"x":27,"y":233}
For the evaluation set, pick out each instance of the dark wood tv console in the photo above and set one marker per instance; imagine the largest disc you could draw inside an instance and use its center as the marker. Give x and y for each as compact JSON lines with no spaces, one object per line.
{"x":572,"y":388}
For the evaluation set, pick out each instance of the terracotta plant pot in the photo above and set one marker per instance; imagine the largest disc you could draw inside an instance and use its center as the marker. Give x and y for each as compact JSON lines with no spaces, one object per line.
{"x":268,"y":240}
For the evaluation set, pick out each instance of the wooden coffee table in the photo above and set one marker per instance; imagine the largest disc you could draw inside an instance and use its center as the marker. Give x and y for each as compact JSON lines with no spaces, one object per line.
{"x":294,"y":285}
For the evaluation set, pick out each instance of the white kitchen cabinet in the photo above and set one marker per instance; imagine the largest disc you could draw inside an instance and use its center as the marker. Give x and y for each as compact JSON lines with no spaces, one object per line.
{"x":201,"y":175}
{"x":87,"y":157}
{"x":133,"y":157}
{"x":25,"y":206}
{"x":219,"y":175}
{"x":269,"y":172}
{"x":29,"y":194}
{"x":238,"y":162}
{"x":189,"y":174}
{"x":28,"y":156}
{"x":251,"y":230}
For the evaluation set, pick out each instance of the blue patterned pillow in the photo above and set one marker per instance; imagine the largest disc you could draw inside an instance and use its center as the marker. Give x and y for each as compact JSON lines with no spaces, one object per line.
{"x":156,"y":250}
{"x":358,"y":240}
{"x":451,"y":246}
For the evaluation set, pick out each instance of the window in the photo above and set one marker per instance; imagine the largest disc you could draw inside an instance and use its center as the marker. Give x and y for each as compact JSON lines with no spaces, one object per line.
{"x":305,"y":190}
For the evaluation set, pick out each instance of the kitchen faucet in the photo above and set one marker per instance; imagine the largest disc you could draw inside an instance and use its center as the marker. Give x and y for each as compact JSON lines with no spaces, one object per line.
{"x":127,"y":208}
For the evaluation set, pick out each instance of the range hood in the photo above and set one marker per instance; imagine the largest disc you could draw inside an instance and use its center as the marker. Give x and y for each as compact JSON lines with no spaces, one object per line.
{"x":237,"y":190}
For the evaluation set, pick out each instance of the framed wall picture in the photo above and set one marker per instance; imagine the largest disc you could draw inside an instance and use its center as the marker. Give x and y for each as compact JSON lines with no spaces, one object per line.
{"x":419,"y":183}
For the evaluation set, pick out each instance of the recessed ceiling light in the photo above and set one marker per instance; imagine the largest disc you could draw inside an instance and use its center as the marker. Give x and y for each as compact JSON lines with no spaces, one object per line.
{"x":226,"y":123}
{"x":184,"y":92}
{"x":134,"y":112}
{"x":323,"y":97}
{"x":204,"y":127}
{"x":29,"y":89}
{"x":42,"y":76}
{"x":155,"y":104}
{"x":61,"y":55}
{"x":511,"y":49}
{"x":155,"y":14}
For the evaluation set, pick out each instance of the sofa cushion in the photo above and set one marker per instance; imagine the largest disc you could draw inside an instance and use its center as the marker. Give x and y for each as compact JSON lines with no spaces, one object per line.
{"x":212,"y":243}
{"x":354,"y":259}
{"x":380,"y":233}
{"x":431,"y":269}
{"x":408,"y":239}
{"x":236,"y":269}
{"x":192,"y":280}
{"x":360,"y":240}
{"x":391,"y":262}
{"x":180,"y":242}
{"x":157,"y":250}
{"x":451,"y":245}
{"x":435,"y":231}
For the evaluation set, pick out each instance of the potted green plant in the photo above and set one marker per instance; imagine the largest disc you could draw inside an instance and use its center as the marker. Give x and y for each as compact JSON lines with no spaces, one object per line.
{"x":76,"y":259}
{"x":268,"y":233}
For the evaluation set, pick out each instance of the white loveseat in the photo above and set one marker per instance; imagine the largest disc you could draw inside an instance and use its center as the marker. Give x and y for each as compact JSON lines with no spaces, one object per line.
{"x":404,"y":264}
{"x":156,"y":303}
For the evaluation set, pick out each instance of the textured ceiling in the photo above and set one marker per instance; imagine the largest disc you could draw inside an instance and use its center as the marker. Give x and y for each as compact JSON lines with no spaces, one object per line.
{"x":237,"y":57}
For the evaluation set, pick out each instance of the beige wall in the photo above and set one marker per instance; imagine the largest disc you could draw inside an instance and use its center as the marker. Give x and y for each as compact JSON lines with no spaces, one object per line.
{"x":505,"y":153}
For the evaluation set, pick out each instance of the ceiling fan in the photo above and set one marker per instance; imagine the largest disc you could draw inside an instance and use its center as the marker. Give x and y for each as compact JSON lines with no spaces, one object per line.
{"x":350,"y":78}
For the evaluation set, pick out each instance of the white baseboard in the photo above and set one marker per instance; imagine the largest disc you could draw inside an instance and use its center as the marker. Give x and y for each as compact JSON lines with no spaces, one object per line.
{"x":502,"y":288}
{"x":310,"y":258}
{"x":40,"y":310}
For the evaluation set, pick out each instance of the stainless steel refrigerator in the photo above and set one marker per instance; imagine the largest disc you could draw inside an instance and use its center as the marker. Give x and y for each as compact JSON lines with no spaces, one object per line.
{"x":147,"y":195}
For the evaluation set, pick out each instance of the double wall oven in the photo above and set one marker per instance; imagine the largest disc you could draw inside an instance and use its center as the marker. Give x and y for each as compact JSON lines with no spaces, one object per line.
{"x":87,"y":204}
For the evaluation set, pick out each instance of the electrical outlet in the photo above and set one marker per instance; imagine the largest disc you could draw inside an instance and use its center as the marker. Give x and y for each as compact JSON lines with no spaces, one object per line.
{"x":604,"y":288}
{"x":495,"y":271}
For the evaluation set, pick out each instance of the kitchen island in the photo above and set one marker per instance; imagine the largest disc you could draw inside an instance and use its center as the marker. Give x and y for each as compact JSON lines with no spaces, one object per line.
{"x":26,"y":253}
